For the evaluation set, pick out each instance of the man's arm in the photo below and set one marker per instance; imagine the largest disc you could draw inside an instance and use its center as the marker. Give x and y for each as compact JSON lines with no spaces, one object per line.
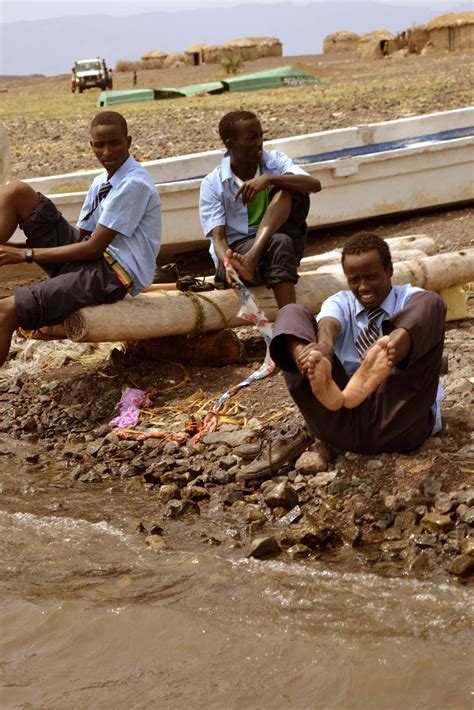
{"x":328,"y":332}
{"x":288,"y":181}
{"x":87,"y":250}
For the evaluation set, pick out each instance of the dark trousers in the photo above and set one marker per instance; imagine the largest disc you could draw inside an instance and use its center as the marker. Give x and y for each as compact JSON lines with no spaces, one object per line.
{"x":284,"y":251}
{"x":397,"y":416}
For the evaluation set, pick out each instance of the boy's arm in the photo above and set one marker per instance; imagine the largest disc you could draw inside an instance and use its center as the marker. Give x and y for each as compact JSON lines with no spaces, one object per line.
{"x":328,"y":332}
{"x":221,"y":247}
{"x":87,"y":250}
{"x":288,"y":181}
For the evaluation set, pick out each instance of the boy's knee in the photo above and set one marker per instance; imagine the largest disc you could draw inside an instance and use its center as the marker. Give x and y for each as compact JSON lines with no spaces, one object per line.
{"x":8,"y":315}
{"x":21,"y":196}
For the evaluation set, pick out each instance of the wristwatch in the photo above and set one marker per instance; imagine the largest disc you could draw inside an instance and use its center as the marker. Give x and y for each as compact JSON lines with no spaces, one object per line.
{"x":29,"y":256}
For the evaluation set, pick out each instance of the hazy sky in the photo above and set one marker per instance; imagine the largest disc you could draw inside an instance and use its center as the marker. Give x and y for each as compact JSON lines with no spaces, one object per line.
{"x":19,"y":10}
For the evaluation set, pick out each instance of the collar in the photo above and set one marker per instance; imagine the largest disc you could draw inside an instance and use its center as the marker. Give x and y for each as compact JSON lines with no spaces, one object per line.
{"x":388,"y":304}
{"x":121,"y":172}
{"x":266,"y":163}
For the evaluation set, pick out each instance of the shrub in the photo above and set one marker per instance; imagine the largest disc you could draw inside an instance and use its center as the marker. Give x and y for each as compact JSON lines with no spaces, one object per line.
{"x":231,"y":63}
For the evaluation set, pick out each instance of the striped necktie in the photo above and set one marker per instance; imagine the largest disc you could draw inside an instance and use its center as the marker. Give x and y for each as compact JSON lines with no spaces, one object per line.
{"x":370,"y":333}
{"x":102,"y":193}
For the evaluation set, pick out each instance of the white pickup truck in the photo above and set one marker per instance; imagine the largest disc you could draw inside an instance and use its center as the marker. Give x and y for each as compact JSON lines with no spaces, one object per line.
{"x":87,"y":73}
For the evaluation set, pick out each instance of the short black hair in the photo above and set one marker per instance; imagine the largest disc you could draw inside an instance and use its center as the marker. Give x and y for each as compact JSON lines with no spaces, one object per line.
{"x":110,"y":118}
{"x":367,"y":241}
{"x":228,"y":121}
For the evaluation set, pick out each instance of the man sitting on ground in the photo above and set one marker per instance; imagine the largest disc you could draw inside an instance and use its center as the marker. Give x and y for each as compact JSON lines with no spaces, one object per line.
{"x":112,"y":252}
{"x":365,"y":376}
{"x":253,"y":208}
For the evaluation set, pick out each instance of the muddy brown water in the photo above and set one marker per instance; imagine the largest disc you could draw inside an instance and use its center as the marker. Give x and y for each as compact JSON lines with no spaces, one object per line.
{"x":91,"y":617}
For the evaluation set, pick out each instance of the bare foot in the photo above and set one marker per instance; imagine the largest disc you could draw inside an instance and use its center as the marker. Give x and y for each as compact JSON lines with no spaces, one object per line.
{"x":319,"y":374}
{"x":244,"y":264}
{"x":373,"y":370}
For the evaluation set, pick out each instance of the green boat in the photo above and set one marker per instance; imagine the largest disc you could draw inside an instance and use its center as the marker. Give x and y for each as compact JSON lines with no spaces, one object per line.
{"x":271,"y":79}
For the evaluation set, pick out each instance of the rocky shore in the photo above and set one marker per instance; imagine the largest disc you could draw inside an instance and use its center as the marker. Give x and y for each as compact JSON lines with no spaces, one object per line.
{"x":393,"y":513}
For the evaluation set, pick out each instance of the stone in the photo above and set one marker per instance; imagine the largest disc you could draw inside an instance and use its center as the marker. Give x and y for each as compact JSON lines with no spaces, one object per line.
{"x":430,"y":486}
{"x":323,"y":479}
{"x":291,"y":517}
{"x":348,"y":531}
{"x":227,"y":462}
{"x":156,"y":543}
{"x":195,"y":493}
{"x":443,"y":502}
{"x":298,"y":551}
{"x":254,"y":514}
{"x":312,"y":535}
{"x":281,"y":495}
{"x":394,"y":547}
{"x":436,"y":522}
{"x":468,"y":516}
{"x":462,"y":565}
{"x":177,"y":508}
{"x":264,"y":547}
{"x":231,"y":497}
{"x":422,"y":562}
{"x":169,"y":491}
{"x":311,"y":462}
{"x":467,"y":546}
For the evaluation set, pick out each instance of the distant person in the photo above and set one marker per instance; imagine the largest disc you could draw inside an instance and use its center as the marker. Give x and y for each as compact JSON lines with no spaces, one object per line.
{"x":112,"y":252}
{"x":253,"y":208}
{"x":365,"y":373}
{"x":134,"y":77}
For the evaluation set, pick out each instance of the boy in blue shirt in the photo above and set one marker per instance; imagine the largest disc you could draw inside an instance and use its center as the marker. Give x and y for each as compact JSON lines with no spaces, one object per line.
{"x":110,"y":254}
{"x":253,"y":208}
{"x":365,"y":374}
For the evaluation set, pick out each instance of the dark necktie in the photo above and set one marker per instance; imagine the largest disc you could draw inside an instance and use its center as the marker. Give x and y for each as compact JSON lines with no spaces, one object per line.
{"x":370,"y":333}
{"x":102,"y":193}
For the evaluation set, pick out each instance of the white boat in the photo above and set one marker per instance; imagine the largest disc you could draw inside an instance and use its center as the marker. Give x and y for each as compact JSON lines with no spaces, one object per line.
{"x":365,"y":171}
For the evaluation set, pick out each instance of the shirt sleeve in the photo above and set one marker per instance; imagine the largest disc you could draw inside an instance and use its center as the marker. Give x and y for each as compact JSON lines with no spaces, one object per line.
{"x":124,"y":206}
{"x":286,"y":166}
{"x":333,"y":307}
{"x":211,"y":208}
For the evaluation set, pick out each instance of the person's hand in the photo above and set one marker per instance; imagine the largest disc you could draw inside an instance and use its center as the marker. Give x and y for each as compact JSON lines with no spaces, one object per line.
{"x":303,"y":355}
{"x":252,"y":187}
{"x":11,"y":255}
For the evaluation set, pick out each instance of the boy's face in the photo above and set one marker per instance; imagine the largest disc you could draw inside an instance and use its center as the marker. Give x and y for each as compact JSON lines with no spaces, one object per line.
{"x":110,"y":146}
{"x":246,"y":145}
{"x":367,"y":278}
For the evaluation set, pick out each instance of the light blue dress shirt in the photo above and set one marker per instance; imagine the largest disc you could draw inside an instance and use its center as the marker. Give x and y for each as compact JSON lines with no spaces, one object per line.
{"x":132,"y":208}
{"x":352,"y":316}
{"x":217,"y":204}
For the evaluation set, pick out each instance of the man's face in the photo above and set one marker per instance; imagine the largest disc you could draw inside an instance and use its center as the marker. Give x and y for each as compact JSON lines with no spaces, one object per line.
{"x":110,"y":146}
{"x":247,"y":143}
{"x":367,"y":278}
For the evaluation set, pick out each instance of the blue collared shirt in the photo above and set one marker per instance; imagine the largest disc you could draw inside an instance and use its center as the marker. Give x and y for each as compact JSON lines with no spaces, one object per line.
{"x":352,"y":316}
{"x":217,"y":204}
{"x":132,"y":208}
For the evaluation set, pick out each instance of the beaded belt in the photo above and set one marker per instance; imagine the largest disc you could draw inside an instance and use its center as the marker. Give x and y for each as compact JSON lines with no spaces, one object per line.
{"x":120,"y":272}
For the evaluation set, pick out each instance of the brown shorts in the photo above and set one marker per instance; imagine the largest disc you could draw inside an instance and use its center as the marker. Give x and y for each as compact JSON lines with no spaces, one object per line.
{"x":71,"y":285}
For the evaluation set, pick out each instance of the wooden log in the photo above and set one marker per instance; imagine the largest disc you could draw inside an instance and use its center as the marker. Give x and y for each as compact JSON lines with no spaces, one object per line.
{"x":396,"y":244}
{"x":321,"y":262}
{"x":174,"y":313}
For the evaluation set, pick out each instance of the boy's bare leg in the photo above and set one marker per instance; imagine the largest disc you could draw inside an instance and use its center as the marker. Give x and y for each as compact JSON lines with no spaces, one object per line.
{"x":373,"y":370}
{"x":8,"y":324}
{"x":318,"y":370}
{"x":284,"y":293}
{"x":277,"y":213}
{"x":17,"y":200}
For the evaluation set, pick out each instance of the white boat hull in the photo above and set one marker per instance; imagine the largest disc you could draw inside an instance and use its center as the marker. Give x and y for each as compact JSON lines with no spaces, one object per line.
{"x":429,"y":172}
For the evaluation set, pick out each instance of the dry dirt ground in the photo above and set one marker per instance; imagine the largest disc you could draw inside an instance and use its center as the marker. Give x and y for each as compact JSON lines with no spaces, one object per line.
{"x":42,"y":407}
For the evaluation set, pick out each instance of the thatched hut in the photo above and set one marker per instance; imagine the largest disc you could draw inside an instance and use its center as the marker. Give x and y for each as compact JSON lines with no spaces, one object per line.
{"x":455,"y":30}
{"x":155,"y":58}
{"x":175,"y":59}
{"x":194,"y":54}
{"x":343,"y":41}
{"x":375,"y":45}
{"x":246,"y":48}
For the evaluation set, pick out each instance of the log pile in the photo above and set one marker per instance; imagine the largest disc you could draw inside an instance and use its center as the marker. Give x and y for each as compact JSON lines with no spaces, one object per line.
{"x":163,"y":313}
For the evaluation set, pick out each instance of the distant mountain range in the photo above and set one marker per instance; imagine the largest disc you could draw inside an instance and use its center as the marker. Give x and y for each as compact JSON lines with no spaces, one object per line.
{"x":51,"y":46}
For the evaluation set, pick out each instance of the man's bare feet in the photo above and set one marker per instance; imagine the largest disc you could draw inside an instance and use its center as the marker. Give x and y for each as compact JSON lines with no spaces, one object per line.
{"x":373,"y":370}
{"x":319,"y":374}
{"x":244,"y":264}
